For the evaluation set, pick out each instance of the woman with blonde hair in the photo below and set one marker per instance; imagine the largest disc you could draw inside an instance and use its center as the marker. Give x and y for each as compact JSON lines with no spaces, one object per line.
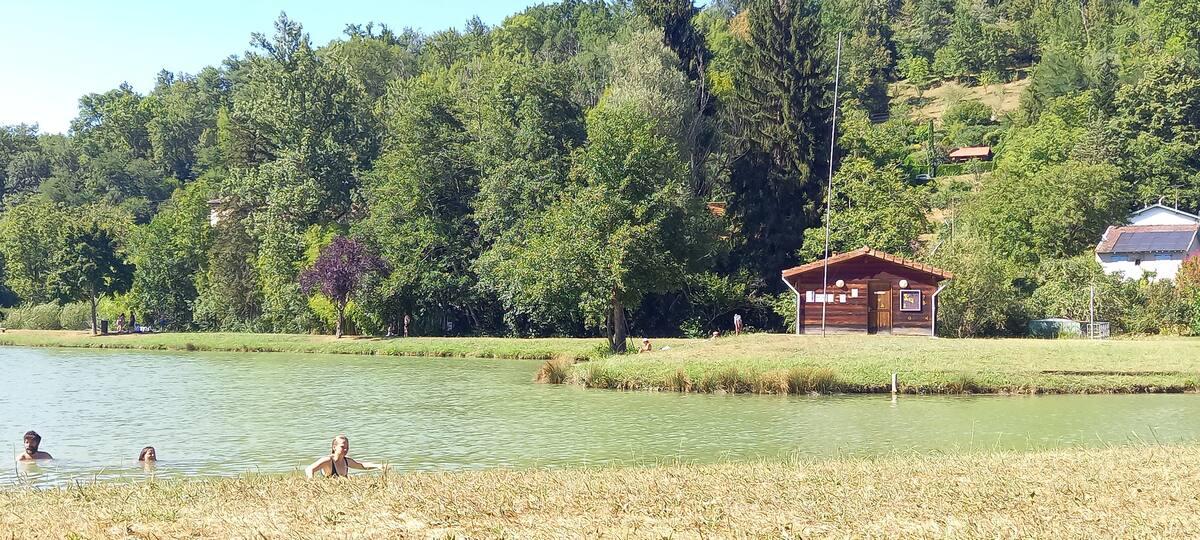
{"x":338,"y":463}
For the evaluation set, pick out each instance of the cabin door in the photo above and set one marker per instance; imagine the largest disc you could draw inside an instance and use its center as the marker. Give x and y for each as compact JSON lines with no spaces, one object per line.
{"x":879,"y":308}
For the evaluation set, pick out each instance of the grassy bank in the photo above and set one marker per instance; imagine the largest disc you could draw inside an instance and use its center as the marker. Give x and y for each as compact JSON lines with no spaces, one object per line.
{"x":800,"y":364}
{"x":760,"y":363}
{"x":1123,"y":493}
{"x":534,"y":349}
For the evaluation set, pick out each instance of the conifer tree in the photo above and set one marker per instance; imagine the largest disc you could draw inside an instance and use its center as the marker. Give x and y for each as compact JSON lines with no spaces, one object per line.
{"x":783,"y":89}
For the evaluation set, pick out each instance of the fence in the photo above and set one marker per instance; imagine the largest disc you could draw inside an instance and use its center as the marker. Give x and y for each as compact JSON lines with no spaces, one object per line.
{"x":1096,"y":330}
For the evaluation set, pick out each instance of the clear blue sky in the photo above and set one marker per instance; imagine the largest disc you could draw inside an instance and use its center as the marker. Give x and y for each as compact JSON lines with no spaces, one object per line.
{"x":54,"y":51}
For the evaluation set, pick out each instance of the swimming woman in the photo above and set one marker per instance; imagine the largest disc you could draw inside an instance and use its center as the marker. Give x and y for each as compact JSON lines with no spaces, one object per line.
{"x":338,"y":463}
{"x":148,"y":454}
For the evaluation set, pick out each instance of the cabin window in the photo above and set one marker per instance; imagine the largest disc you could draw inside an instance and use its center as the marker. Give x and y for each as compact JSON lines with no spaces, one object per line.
{"x":910,"y":300}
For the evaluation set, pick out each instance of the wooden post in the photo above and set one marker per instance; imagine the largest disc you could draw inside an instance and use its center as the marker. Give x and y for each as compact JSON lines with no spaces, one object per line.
{"x":894,"y":385}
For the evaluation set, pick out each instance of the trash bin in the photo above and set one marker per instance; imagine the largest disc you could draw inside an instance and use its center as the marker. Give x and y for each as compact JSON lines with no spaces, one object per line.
{"x":103,"y":327}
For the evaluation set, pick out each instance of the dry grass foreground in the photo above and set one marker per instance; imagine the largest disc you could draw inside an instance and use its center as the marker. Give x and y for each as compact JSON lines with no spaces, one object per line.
{"x":1148,"y":491}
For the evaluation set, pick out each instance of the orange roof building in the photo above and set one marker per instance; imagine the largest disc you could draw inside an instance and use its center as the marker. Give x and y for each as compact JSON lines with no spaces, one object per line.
{"x":967,"y":153}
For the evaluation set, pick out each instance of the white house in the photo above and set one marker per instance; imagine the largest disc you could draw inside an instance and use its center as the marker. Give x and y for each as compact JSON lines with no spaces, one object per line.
{"x":1156,"y":241}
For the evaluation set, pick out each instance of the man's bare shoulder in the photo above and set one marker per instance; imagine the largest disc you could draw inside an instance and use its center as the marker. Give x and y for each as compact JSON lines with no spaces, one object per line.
{"x":37,"y":456}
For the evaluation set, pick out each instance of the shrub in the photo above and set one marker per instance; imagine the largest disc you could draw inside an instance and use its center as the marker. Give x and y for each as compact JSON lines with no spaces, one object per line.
{"x":804,"y":380}
{"x":555,"y":371}
{"x":111,"y":307}
{"x":968,"y":113}
{"x":727,"y":379}
{"x":679,"y":381}
{"x":961,"y":383}
{"x":76,"y":316}
{"x":38,"y":317}
{"x":1159,"y":309}
{"x":771,"y":382}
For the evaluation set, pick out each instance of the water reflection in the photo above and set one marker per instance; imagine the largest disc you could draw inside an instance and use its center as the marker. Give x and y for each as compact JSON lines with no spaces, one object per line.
{"x":226,"y":414}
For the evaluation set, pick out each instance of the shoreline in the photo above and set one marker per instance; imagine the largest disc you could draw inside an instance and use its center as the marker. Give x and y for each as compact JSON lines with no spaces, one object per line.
{"x":1124,"y":492}
{"x":751,"y":364}
{"x":465,"y":347}
{"x":784,"y":364}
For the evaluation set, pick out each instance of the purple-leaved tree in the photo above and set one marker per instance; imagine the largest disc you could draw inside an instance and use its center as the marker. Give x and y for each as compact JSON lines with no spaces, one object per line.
{"x":340,"y":270}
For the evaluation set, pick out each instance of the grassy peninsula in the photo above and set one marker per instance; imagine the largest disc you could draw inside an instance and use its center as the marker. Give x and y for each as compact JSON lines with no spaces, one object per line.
{"x":758,"y":363}
{"x":1120,"y":492}
{"x":772,"y":363}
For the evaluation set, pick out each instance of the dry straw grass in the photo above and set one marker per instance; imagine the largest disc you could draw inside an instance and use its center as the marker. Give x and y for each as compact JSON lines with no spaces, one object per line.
{"x":554,"y":371}
{"x":1127,"y":492}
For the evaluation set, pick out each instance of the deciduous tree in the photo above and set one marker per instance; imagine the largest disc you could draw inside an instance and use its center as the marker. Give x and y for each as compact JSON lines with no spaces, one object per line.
{"x":89,"y":266}
{"x":339,"y":272}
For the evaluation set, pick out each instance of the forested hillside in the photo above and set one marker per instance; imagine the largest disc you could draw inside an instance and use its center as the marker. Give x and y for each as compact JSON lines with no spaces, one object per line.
{"x":556,"y":174}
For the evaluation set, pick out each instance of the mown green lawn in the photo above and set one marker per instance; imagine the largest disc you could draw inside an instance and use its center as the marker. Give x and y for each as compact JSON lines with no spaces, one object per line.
{"x":768,"y":363}
{"x":762,"y":363}
{"x":536,"y":349}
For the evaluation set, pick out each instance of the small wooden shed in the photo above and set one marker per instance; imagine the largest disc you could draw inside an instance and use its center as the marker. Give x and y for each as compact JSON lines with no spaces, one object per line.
{"x":868,"y":292}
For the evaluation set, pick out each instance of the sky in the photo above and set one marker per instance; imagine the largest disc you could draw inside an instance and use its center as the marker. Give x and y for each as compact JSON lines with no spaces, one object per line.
{"x":54,"y":51}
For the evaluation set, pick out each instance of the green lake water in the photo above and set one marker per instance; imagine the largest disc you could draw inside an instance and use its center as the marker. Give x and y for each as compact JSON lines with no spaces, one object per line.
{"x":224,"y":414}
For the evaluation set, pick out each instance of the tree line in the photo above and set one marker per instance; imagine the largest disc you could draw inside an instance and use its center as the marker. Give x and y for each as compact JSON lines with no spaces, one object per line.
{"x":601,"y":168}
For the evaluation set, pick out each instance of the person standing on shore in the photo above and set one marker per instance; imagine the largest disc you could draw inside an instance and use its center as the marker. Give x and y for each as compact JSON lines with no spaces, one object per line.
{"x":338,"y":463}
{"x":32,"y":441}
{"x":407,"y":320}
{"x":737,"y":324}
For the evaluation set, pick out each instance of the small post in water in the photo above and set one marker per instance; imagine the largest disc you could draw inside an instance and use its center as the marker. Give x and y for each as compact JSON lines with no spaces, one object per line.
{"x":893,"y":383}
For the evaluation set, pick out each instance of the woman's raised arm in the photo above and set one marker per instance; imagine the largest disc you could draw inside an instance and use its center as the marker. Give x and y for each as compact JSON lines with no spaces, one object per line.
{"x":364,"y":465}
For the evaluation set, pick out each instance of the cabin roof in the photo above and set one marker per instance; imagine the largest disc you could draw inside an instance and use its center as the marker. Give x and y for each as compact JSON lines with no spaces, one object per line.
{"x":1148,"y":239}
{"x":868,"y":252}
{"x":967,"y":152}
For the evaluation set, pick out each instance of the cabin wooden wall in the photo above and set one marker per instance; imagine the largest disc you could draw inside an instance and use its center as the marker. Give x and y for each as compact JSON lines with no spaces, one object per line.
{"x":851,"y":317}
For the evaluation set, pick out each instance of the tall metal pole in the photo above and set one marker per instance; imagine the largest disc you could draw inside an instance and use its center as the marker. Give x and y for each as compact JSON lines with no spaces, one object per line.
{"x":837,"y":72}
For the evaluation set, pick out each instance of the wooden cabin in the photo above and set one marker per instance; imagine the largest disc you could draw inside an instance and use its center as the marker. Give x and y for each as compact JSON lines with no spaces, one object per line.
{"x":868,"y":292}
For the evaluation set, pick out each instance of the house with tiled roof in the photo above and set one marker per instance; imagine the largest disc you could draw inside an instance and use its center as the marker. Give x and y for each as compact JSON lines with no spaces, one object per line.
{"x":1154,"y":244}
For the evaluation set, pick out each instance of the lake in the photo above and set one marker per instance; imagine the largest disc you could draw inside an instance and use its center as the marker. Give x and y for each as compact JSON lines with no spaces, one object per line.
{"x":231,"y":413}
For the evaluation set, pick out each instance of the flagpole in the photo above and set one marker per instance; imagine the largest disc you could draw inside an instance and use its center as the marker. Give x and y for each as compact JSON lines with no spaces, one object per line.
{"x":837,"y":72}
